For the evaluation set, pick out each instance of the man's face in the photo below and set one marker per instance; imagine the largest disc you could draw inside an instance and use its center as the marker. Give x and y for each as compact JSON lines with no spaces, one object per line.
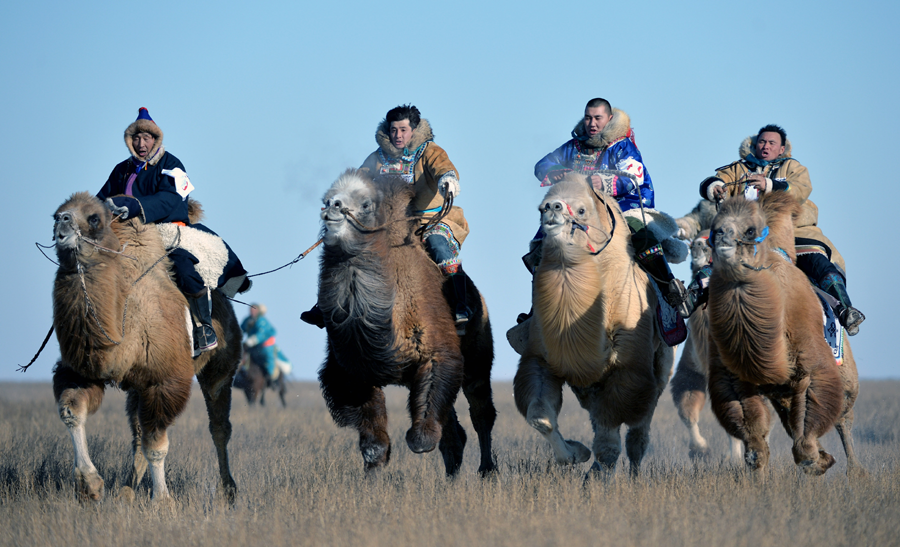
{"x":142,"y":144}
{"x":401,"y":133}
{"x":769,"y":146}
{"x":595,"y":119}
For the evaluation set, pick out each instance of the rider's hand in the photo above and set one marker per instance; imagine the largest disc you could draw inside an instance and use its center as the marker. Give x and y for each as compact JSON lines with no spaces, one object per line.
{"x":757,"y":180}
{"x":556,"y":176}
{"x":123,"y":207}
{"x":719,"y":192}
{"x":449,"y":187}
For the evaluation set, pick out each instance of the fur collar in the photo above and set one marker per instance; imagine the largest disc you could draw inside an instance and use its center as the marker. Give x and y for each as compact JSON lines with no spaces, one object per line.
{"x":421,"y":135}
{"x":617,"y":129}
{"x":748,"y":146}
{"x":147,"y":126}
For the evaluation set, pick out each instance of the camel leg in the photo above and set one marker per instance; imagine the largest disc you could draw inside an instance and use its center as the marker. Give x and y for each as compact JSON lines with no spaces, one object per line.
{"x":815,"y":406}
{"x":358,"y":406}
{"x":538,"y":396}
{"x":844,"y":428}
{"x":217,"y":396}
{"x":139,"y":465}
{"x":483,"y":414}
{"x":76,"y":399}
{"x":282,"y":389}
{"x":689,"y":394}
{"x":158,"y":406}
{"x":741,"y":411}
{"x":452,"y":444}
{"x":432,"y":392}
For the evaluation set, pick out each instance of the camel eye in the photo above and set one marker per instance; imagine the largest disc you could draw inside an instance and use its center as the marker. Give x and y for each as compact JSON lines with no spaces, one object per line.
{"x":366,"y":205}
{"x":94,"y":221}
{"x":751,"y":232}
{"x":582,"y":211}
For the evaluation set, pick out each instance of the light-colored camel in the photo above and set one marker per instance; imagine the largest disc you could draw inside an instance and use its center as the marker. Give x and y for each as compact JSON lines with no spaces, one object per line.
{"x":767,"y":339}
{"x":688,"y":385}
{"x":120,"y":320}
{"x":594,"y":327}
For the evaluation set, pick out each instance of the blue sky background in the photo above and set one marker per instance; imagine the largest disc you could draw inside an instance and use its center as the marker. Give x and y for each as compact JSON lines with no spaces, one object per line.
{"x":266,"y":105}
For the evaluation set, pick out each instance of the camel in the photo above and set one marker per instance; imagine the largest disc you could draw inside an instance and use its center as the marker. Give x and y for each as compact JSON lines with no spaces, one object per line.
{"x":388,"y":322}
{"x":121,"y":321}
{"x":688,"y":385}
{"x":765,"y":324}
{"x":251,"y":378}
{"x":594,"y":327}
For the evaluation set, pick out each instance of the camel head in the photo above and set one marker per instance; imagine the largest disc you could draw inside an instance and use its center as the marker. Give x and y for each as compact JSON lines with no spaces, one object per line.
{"x":82,"y":217}
{"x":574,"y":221}
{"x":356,"y":206}
{"x":744,"y":232}
{"x":701,"y":252}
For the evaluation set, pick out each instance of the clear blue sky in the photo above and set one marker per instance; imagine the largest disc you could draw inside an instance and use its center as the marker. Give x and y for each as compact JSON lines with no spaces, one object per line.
{"x":266,"y":105}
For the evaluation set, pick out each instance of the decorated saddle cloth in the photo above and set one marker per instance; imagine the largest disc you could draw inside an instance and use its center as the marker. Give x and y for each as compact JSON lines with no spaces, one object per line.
{"x":834,"y":332}
{"x":216,"y":263}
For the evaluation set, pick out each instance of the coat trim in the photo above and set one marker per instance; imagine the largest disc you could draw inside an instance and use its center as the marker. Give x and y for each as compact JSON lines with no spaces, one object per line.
{"x":421,"y":134}
{"x":145,"y":126}
{"x":617,"y":129}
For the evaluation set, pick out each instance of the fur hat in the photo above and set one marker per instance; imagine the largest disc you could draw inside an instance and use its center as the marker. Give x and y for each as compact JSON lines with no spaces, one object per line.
{"x":145,"y":124}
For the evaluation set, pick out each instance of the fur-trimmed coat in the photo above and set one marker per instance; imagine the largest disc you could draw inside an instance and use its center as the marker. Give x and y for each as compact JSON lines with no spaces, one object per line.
{"x":613,"y":148}
{"x":784,"y":174}
{"x":425,"y":165}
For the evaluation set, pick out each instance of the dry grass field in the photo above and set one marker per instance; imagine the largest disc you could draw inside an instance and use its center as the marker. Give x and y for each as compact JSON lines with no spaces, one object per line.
{"x":301,"y":482}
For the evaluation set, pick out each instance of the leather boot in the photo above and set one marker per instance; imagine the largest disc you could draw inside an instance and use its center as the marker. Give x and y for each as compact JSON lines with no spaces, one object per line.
{"x":314,"y":317}
{"x":654,"y":263}
{"x":850,"y":317}
{"x":204,"y":334}
{"x":461,"y":312}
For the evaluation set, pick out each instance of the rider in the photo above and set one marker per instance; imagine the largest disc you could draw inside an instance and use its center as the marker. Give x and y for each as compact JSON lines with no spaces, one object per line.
{"x":261,"y":338}
{"x":603,"y":140}
{"x":767,"y":166}
{"x":406,"y":148}
{"x":152,"y":185}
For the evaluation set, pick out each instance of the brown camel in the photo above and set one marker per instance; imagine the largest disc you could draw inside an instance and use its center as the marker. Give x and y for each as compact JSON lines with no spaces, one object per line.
{"x":120,"y":320}
{"x":594,"y":327}
{"x":251,"y":378}
{"x":388,"y":322}
{"x":765,"y":324}
{"x":688,"y":385}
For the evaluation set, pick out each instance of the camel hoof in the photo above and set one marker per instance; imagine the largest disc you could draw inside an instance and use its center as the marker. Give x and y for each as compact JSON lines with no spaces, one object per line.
{"x":578,"y":453}
{"x":818,"y":467}
{"x":856,"y":472}
{"x":753,"y":460}
{"x":697,"y":453}
{"x":603,"y":473}
{"x":89,"y":487}
{"x":126,"y":495}
{"x":420,"y":442}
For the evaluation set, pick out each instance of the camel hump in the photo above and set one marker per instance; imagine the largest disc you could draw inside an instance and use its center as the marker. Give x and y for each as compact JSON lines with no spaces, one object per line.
{"x":195,"y":210}
{"x":776,"y":204}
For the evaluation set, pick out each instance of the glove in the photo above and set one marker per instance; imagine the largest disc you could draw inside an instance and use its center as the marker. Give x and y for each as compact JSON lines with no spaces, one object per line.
{"x":124,"y":206}
{"x":252,"y":341}
{"x":448,"y":186}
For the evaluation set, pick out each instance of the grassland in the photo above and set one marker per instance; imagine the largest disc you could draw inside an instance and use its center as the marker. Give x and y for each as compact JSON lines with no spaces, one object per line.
{"x":301,"y":482}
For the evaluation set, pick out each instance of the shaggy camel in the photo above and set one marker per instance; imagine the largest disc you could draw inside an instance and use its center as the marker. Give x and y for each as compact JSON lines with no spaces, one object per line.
{"x":251,"y":379}
{"x":765,"y":324}
{"x":688,"y":385}
{"x":594,"y":327}
{"x":120,"y":320}
{"x":388,"y":322}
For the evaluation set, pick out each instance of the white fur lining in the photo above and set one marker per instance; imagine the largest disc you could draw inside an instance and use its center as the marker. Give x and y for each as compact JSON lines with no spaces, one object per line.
{"x":210,"y":250}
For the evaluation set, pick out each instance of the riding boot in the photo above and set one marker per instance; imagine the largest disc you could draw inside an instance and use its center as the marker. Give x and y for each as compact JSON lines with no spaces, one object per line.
{"x":654,"y":263}
{"x":314,"y":317}
{"x":201,"y":312}
{"x":461,"y":312}
{"x":531,"y":261}
{"x":850,"y":317}
{"x":697,"y":292}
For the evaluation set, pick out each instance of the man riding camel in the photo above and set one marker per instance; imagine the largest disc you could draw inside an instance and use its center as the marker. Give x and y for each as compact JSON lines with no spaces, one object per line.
{"x":766,"y":165}
{"x":152,"y":185}
{"x":406,"y":148}
{"x":601,"y":142}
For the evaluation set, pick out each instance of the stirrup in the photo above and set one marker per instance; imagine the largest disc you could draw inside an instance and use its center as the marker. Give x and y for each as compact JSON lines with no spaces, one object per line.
{"x":204,"y":340}
{"x":461,"y":320}
{"x":679,"y":298}
{"x":851,"y":318}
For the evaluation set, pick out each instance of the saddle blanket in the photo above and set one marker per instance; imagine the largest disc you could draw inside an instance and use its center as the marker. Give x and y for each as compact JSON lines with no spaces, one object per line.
{"x":672,"y":328}
{"x":834,"y":332}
